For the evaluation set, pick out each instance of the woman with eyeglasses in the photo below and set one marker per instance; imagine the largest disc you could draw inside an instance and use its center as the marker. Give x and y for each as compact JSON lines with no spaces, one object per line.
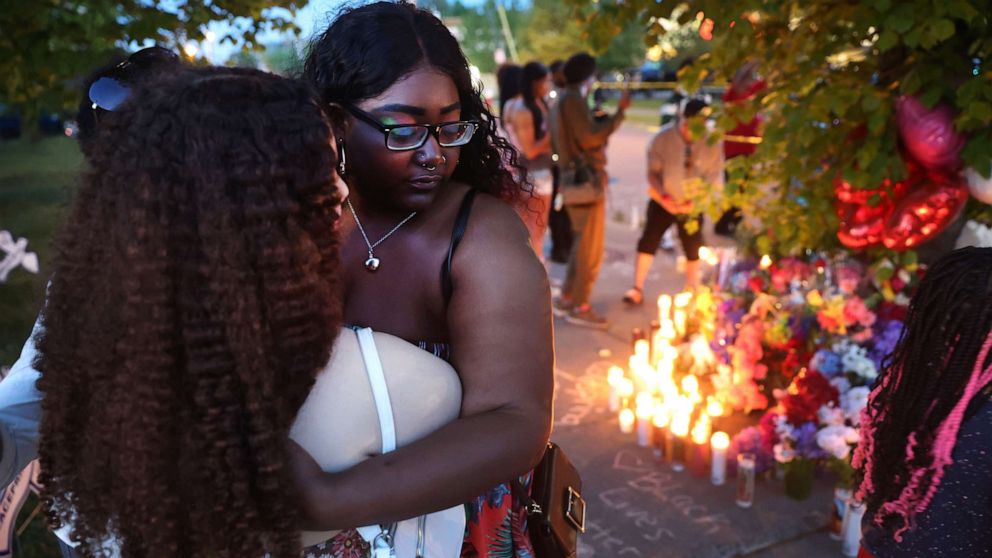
{"x":433,"y":253}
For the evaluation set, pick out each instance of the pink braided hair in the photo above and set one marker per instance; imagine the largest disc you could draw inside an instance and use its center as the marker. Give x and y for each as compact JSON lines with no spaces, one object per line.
{"x":912,"y":500}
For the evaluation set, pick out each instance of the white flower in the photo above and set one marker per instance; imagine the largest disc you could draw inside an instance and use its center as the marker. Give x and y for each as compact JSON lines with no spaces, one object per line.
{"x":837,"y":440}
{"x":841,"y":383}
{"x":783,"y":454}
{"x":853,"y":402}
{"x":830,"y":415}
{"x":856,"y":360}
{"x":783,"y":428}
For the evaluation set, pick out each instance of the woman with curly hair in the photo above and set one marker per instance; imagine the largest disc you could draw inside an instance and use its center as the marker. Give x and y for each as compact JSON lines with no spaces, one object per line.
{"x":433,"y":252}
{"x":192,"y":303}
{"x":924,"y":462}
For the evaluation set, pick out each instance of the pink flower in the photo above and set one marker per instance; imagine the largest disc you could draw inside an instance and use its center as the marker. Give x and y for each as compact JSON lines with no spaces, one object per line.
{"x":855,"y":312}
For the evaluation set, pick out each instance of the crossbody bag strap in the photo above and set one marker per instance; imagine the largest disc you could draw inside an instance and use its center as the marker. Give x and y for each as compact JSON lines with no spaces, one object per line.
{"x":379,"y":537}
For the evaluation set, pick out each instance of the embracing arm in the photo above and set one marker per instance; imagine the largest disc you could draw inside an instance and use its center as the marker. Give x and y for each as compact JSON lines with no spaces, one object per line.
{"x":20,"y":414}
{"x":501,"y":338}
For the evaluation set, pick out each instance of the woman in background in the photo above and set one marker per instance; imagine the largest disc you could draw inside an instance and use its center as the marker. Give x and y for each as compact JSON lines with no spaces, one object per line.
{"x":526,"y":121}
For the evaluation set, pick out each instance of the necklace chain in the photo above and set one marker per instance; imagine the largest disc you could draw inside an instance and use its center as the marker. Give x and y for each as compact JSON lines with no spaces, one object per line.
{"x":361,"y":229}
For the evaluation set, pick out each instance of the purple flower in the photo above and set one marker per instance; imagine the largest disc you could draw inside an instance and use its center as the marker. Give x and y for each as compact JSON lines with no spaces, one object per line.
{"x":750,"y":441}
{"x":806,"y":445}
{"x":886,"y":337}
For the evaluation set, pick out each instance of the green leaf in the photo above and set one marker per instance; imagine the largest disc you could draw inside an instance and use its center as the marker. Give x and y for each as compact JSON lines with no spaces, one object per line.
{"x":887,"y":40}
{"x":901,"y":19}
{"x":912,"y":82}
{"x":870,"y":103}
{"x":980,"y":110}
{"x":942,"y":29}
{"x":932,"y":95}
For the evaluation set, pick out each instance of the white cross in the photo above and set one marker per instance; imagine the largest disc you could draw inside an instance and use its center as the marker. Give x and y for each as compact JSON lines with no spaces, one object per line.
{"x":15,"y":254}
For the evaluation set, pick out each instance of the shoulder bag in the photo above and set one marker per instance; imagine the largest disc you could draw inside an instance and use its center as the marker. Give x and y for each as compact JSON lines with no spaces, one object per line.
{"x":556,"y":511}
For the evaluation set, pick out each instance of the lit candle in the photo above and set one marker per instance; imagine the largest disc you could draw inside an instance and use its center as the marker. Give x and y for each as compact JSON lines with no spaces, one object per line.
{"x":690,"y":388}
{"x":700,"y":446}
{"x":745,"y":479}
{"x":766,"y":262}
{"x":625,"y":390}
{"x":627,"y":421}
{"x":664,"y":308}
{"x":680,"y":322}
{"x":614,"y":377}
{"x":680,"y":432}
{"x":642,"y":350}
{"x":683,"y":299}
{"x":662,"y":438}
{"x":718,"y":467}
{"x":645,"y":410}
{"x":714,"y":409}
{"x":653,"y":329}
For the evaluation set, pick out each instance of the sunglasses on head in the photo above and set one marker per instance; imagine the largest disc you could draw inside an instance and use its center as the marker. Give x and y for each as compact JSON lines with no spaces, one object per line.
{"x":110,"y":91}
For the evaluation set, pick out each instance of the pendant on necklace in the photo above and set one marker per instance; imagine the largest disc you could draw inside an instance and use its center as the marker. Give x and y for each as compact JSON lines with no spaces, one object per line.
{"x":372,"y":264}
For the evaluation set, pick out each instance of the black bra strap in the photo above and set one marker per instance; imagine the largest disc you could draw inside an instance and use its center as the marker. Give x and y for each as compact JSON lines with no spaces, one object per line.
{"x":461,"y":223}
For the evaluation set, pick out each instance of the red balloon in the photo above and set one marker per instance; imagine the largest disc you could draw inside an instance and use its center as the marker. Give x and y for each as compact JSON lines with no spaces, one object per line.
{"x":863,"y":225}
{"x":924,"y":213}
{"x":929,"y":134}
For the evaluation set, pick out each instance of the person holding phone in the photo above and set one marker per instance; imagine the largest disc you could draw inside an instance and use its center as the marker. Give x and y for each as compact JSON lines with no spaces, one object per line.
{"x":579,"y":137}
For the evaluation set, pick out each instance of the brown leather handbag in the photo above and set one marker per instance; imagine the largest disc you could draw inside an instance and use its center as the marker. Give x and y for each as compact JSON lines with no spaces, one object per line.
{"x":556,"y":512}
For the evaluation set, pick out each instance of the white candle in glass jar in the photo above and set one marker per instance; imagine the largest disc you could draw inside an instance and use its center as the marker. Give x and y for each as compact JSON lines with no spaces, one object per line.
{"x":718,"y":458}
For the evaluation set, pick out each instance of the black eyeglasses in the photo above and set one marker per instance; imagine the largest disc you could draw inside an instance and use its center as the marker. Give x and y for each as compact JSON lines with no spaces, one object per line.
{"x":110,"y":91}
{"x":404,"y":137}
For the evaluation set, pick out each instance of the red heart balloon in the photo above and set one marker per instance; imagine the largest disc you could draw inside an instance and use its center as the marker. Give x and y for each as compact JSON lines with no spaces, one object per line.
{"x":929,"y":134}
{"x":924,"y":213}
{"x":862,"y":225}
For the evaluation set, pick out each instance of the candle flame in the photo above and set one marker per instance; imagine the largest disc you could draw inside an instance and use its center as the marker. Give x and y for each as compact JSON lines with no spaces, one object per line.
{"x":701,"y":430}
{"x":766,"y":261}
{"x":720,"y":441}
{"x":690,"y":385}
{"x":713,"y":407}
{"x":615,"y":375}
{"x":626,"y":417}
{"x":683,"y":299}
{"x":642,"y":348}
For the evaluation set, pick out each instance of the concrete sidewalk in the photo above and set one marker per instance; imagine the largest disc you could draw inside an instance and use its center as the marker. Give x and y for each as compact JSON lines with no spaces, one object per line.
{"x":637,"y":507}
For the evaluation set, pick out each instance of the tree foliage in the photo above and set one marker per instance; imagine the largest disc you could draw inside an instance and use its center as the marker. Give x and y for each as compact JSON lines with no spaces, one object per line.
{"x":833,"y":71}
{"x":46,"y":46}
{"x":543,"y":30}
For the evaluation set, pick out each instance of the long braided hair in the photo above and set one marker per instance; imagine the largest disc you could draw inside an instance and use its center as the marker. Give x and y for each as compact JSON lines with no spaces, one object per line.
{"x":942,"y":360}
{"x":192,"y":303}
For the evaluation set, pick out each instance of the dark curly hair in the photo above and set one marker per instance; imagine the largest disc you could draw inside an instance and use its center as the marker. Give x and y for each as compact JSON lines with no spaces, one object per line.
{"x":192,"y":303}
{"x":929,"y":385}
{"x":369,"y":48}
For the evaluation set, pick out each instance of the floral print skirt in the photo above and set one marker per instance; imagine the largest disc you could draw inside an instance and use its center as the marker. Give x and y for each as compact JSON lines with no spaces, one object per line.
{"x":496,"y":527}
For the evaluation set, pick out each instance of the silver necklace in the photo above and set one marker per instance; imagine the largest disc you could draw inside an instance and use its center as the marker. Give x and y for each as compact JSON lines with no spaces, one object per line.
{"x":372,"y":264}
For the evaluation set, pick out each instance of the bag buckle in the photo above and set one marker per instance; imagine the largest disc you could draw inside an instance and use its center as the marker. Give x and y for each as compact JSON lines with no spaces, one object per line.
{"x":575,"y":511}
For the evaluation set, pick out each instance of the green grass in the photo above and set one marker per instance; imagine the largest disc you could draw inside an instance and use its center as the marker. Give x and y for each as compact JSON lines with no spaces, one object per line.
{"x":36,"y":181}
